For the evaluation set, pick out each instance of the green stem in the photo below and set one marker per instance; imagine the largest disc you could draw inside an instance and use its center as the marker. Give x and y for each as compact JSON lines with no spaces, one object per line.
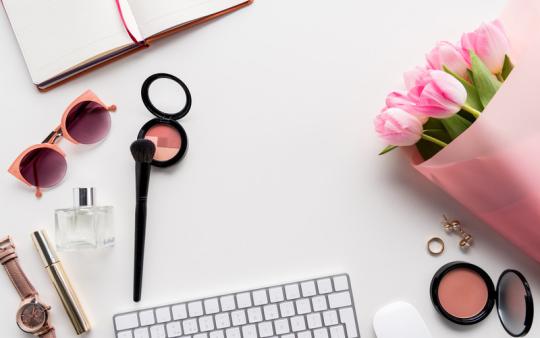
{"x":434,"y":140}
{"x":471,"y":110}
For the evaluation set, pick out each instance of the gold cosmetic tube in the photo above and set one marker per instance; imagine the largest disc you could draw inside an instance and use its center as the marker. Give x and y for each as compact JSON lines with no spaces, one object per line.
{"x":61,"y":282}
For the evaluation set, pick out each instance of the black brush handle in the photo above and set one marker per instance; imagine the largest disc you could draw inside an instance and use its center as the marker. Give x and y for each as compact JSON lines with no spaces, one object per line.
{"x":142,"y":171}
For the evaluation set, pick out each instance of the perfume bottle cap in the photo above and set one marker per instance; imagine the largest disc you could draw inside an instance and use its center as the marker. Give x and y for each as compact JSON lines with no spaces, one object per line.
{"x":45,"y":248}
{"x":83,"y":197}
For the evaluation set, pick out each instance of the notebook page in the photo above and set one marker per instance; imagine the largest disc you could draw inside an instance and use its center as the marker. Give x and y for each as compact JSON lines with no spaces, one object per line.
{"x":156,"y":16}
{"x":55,"y":35}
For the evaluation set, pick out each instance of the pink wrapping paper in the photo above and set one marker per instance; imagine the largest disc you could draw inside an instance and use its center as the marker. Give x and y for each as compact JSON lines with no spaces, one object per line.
{"x":493,"y":168}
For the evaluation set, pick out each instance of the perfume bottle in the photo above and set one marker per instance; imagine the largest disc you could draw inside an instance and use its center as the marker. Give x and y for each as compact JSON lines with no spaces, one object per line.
{"x":84,"y":226}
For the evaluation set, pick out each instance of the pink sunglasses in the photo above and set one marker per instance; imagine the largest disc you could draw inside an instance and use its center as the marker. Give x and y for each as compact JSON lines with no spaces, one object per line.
{"x":85,"y":121}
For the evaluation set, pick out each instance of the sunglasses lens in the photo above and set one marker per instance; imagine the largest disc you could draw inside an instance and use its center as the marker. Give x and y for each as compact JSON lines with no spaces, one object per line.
{"x":88,"y":122}
{"x":43,"y":167}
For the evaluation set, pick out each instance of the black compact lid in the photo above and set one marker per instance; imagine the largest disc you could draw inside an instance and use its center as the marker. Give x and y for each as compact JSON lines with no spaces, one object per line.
{"x":515,"y":305}
{"x":150,"y":106}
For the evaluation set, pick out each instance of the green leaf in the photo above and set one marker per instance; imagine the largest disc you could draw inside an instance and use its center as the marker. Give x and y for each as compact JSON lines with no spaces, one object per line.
{"x":455,"y":125}
{"x":387,"y":149}
{"x":473,"y":99}
{"x":486,"y":83}
{"x":435,"y":128}
{"x":507,"y":67}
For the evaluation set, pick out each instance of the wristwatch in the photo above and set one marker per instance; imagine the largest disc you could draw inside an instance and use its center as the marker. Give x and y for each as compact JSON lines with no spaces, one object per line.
{"x":33,"y":315}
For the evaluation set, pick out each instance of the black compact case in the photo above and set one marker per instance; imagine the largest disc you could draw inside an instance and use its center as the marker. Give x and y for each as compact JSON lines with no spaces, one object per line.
{"x":512,"y":296}
{"x":167,"y":119}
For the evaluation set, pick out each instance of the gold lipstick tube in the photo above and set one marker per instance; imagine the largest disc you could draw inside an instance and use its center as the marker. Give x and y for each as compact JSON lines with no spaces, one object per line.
{"x":61,"y":282}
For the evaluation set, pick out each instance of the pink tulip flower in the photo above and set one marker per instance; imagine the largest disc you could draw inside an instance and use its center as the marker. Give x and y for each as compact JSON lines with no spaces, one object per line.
{"x":402,"y":101}
{"x":398,"y":128}
{"x":490,"y":43}
{"x":447,"y":54}
{"x":416,"y":77}
{"x":440,"y":97}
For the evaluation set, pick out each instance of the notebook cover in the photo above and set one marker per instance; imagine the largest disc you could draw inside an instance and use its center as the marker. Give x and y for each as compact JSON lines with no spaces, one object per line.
{"x":147,"y":43}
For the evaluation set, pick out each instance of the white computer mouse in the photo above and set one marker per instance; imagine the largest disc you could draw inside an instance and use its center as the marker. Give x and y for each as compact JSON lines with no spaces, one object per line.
{"x":400,"y":320}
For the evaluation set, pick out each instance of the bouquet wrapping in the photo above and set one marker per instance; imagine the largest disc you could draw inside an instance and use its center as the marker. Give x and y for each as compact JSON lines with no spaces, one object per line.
{"x":493,"y":167}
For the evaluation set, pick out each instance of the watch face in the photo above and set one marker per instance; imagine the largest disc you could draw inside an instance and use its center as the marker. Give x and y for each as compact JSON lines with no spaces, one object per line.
{"x":31,"y":317}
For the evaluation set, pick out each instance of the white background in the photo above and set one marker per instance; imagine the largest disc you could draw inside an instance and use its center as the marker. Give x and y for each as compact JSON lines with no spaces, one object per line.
{"x":282,"y":180}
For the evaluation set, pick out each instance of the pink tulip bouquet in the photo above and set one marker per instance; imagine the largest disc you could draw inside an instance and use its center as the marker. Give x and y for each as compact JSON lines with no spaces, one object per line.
{"x":469,"y":134}
{"x":447,"y":95}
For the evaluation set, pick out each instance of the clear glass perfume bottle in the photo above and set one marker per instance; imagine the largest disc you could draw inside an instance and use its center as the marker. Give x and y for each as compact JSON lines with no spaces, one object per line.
{"x":84,"y":226}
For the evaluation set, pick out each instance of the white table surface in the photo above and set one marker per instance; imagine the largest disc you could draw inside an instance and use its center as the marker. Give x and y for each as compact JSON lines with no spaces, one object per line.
{"x":282,"y":180}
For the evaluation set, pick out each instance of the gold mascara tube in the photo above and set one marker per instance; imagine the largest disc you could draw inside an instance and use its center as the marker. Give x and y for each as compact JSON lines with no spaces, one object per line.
{"x":61,"y":282}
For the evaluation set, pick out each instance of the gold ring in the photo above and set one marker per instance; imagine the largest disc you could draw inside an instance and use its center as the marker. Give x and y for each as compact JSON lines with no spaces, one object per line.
{"x":435,"y":246}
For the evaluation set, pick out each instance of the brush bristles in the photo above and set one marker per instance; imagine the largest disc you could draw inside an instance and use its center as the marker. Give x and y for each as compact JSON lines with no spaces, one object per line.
{"x":143,"y":151}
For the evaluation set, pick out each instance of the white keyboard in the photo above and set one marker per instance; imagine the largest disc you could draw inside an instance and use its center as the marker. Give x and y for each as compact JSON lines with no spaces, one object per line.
{"x":315,"y":308}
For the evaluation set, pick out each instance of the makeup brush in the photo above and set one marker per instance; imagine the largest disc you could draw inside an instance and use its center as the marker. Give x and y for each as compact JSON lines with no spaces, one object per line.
{"x":143,"y":152}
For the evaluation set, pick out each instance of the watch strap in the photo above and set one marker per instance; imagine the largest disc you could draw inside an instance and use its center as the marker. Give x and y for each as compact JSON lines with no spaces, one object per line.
{"x":8,"y":258}
{"x":49,"y":334}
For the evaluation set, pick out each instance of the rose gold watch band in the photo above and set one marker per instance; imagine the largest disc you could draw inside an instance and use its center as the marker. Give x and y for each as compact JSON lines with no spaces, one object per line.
{"x":50,"y":334}
{"x":8,"y":258}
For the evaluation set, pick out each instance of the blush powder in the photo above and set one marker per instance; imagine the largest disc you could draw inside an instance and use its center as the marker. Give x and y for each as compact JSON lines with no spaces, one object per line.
{"x":463,"y":293}
{"x":167,"y":141}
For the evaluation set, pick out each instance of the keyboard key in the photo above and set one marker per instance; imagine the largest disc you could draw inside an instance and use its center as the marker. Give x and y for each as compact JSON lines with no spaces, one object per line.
{"x":163,"y":314}
{"x":174,"y":329}
{"x":158,"y":331}
{"x":276,"y":294}
{"x":320,"y":333}
{"x":211,"y":306}
{"x":179,"y":311}
{"x":339,"y":299}
{"x":233,"y":332}
{"x":298,"y":323}
{"x":127,"y":321}
{"x":330,"y":317}
{"x":243,"y":300}
{"x":337,"y":332}
{"x":319,"y":303}
{"x":217,"y":334}
{"x":206,"y":323}
{"x":222,"y":320}
{"x":141,"y":333}
{"x":290,"y":335}
{"x":292,"y":291}
{"x":254,"y":315}
{"x":271,"y":312}
{"x":249,"y":331}
{"x":341,"y":283}
{"x":303,"y":306}
{"x":324,"y":285}
{"x":308,"y":289}
{"x":201,"y":335}
{"x":314,"y":320}
{"x":348,"y":318}
{"x":124,"y":334}
{"x":195,"y":309}
{"x":238,"y":317}
{"x":265,"y":329}
{"x":287,"y":309}
{"x":282,"y":326}
{"x":304,"y":334}
{"x":147,"y":317}
{"x":190,"y":326}
{"x":259,"y":297}
{"x":227,"y":303}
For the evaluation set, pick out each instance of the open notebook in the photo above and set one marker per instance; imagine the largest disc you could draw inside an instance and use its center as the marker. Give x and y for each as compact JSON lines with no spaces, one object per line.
{"x":62,"y":38}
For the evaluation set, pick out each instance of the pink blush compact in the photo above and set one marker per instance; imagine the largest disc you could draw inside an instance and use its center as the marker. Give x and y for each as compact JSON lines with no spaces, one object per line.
{"x":164,"y":131}
{"x":167,"y":141}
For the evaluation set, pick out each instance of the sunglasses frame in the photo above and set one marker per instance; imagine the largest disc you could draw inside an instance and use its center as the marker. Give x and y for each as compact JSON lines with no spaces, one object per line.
{"x":50,"y":142}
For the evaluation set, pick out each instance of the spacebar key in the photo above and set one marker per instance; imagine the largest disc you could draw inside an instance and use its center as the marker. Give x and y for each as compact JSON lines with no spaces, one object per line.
{"x":348,"y":318}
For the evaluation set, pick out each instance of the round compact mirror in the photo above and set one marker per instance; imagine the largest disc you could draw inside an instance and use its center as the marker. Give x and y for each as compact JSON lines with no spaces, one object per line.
{"x":515,"y":303}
